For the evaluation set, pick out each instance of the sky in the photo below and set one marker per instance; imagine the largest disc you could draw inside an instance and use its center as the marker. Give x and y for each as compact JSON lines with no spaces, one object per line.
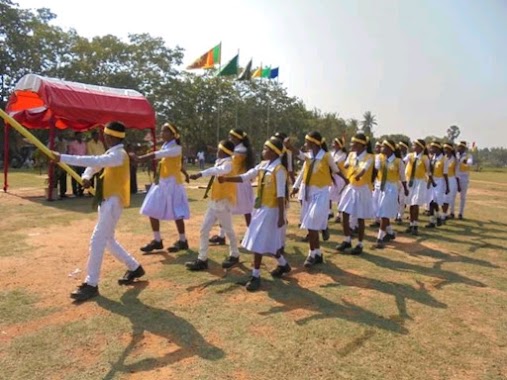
{"x":419,"y":66}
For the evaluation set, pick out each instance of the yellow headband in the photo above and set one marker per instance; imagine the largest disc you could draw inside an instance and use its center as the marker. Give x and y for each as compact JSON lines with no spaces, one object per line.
{"x":436,"y":144}
{"x":273,"y":147}
{"x":403,"y":144}
{"x":417,"y":142}
{"x":237,"y":135}
{"x":339,"y":142}
{"x":361,"y":141}
{"x":448,"y":146}
{"x":172,"y":129}
{"x":385,"y":142}
{"x":463,"y":144}
{"x":313,"y":140}
{"x":224,"y":149}
{"x":112,"y":132}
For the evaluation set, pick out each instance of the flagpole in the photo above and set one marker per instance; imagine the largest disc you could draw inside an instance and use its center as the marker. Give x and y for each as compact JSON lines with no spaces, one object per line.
{"x":219,"y":95}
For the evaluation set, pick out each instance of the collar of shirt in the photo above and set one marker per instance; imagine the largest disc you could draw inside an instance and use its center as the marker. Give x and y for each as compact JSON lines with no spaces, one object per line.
{"x":168,"y":144}
{"x":361,"y":156}
{"x":114,"y":148}
{"x":436,"y":158}
{"x":240,"y":148}
{"x":391,"y":158}
{"x":319,"y":154}
{"x":418,"y":156}
{"x":270,"y":166}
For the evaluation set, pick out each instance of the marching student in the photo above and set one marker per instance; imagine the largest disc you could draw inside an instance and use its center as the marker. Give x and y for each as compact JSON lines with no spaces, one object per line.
{"x":290,"y":158}
{"x":317,"y":170}
{"x":418,"y":174}
{"x":223,"y":199}
{"x":112,"y":195}
{"x":242,"y":161}
{"x":376,"y":185}
{"x":391,"y":171}
{"x":339,"y":155}
{"x":452,"y":175}
{"x":356,"y":200}
{"x":167,"y":197}
{"x":403,"y":148}
{"x":266,"y":233}
{"x":440,"y":181}
{"x":466,"y":162}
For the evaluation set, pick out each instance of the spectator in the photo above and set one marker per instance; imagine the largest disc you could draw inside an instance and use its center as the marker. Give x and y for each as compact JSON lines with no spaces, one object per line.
{"x":95,"y":147}
{"x":77,"y":148}
{"x":201,"y":158}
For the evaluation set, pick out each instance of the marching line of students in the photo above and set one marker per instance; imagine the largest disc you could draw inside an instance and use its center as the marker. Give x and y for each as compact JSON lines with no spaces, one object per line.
{"x":364,"y":186}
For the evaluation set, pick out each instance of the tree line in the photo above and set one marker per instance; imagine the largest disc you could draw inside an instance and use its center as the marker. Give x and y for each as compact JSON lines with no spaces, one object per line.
{"x":203,"y":106}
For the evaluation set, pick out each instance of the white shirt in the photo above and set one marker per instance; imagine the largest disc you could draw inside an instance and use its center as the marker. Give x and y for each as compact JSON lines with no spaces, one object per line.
{"x":222,"y":166}
{"x":168,"y":149}
{"x":269,"y":167}
{"x":318,"y":157}
{"x":112,"y":157}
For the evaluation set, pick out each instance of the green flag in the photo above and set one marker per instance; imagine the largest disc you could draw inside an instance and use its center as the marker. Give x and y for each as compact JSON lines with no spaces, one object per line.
{"x":266,"y":73}
{"x":231,"y":68}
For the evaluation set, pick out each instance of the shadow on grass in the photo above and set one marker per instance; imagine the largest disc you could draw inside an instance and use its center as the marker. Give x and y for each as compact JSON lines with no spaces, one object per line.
{"x":159,"y":322}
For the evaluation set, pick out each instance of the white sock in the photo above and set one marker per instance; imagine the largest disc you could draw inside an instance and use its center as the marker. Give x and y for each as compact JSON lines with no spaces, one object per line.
{"x":256,"y":272}
{"x":182,"y":237}
{"x":348,"y":239}
{"x":156,"y":235}
{"x":221,"y":233}
{"x":281,"y":261}
{"x":313,"y":252}
{"x":360,"y":244}
{"x":381,"y":234}
{"x":415,"y":223}
{"x":389,"y":230}
{"x":318,"y":252}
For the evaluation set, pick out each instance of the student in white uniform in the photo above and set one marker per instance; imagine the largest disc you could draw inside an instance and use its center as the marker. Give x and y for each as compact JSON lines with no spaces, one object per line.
{"x":403,"y":148}
{"x":167,"y":197}
{"x":453,"y":177}
{"x":391,"y":172}
{"x":317,"y":170}
{"x":339,"y":155}
{"x":439,"y":187}
{"x":356,"y":199}
{"x":242,"y":161}
{"x":112,"y":195}
{"x":376,"y":187}
{"x":266,"y":233}
{"x":466,"y":161}
{"x":223,"y":199}
{"x":418,"y":175}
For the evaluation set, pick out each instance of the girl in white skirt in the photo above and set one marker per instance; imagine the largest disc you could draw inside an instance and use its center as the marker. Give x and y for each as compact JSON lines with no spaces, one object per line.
{"x":440,"y":183}
{"x":403,"y":148}
{"x":466,"y":161}
{"x":167,"y":197}
{"x":242,"y":161}
{"x":453,"y":177}
{"x":391,"y":171}
{"x":339,"y":155}
{"x":266,"y":233}
{"x":356,"y":199}
{"x":317,"y":170}
{"x":418,"y":175}
{"x":376,"y":186}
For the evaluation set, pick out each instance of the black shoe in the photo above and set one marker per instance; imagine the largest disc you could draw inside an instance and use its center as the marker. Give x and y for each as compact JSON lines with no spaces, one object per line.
{"x":439,"y":222}
{"x":357,"y":250}
{"x":130,"y":275}
{"x":409,"y":229}
{"x":379,"y":244}
{"x":451,"y":216}
{"x":215,"y":239}
{"x":84,"y":292}
{"x":152,"y":246}
{"x":306,"y":239}
{"x":344,"y":245}
{"x":460,"y":217}
{"x":230,"y":262}
{"x":330,"y":216}
{"x":389,"y":237}
{"x":337,"y":219}
{"x":431,"y":225}
{"x":197,"y":265}
{"x":280,"y":270}
{"x":325,"y":234}
{"x":311,"y":261}
{"x":375,"y":225}
{"x":398,"y":221}
{"x":178,"y":246}
{"x":253,"y":284}
{"x":415,"y":230}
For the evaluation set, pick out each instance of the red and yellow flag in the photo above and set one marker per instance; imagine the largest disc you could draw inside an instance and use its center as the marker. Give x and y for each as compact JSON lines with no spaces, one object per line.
{"x":208,"y":60}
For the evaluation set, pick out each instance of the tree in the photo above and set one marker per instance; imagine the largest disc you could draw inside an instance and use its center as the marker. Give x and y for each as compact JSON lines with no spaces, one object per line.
{"x":453,"y":133}
{"x":368,"y":123}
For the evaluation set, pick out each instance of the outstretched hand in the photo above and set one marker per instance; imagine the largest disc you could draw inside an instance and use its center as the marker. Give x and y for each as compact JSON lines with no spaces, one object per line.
{"x":56,"y":156}
{"x":195,"y":176}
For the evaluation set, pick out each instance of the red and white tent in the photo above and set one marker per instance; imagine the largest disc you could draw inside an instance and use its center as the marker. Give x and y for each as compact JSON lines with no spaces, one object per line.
{"x":48,"y":103}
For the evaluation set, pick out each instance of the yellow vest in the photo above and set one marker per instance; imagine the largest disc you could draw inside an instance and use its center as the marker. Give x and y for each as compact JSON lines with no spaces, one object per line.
{"x":269,"y":196}
{"x":238,"y":164}
{"x":420,"y":169}
{"x":171,"y":167}
{"x":356,"y":168}
{"x":393,"y":169}
{"x":117,"y":181}
{"x":320,"y":177}
{"x":226,"y":190}
{"x":438,"y":167}
{"x":452,"y":167}
{"x":464,"y":167}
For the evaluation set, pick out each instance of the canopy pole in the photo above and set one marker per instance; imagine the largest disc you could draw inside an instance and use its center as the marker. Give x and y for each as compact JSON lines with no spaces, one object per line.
{"x":51,"y":167}
{"x":154,"y":137}
{"x":6,"y":155}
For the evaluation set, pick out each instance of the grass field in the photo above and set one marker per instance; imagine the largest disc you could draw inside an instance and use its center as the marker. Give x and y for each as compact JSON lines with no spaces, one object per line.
{"x":427,"y":308}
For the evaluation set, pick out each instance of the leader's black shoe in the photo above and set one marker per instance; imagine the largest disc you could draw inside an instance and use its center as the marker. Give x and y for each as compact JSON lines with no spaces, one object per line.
{"x":217,"y":240}
{"x":230,"y":262}
{"x":197,"y":265}
{"x":130,"y":275}
{"x":84,"y":292}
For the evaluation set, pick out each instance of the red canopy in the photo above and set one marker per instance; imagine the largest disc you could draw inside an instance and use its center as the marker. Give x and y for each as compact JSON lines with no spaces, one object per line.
{"x":39,"y":102}
{"x":49,"y":103}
